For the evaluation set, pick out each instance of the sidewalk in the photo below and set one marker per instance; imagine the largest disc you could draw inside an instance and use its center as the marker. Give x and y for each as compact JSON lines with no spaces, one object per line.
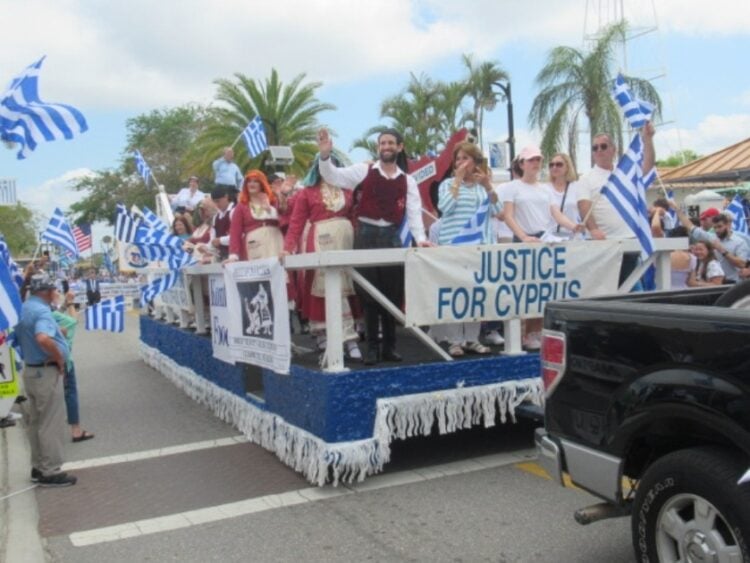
{"x":19,"y":518}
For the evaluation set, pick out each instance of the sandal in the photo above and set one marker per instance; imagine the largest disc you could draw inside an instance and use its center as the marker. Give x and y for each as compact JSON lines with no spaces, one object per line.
{"x":83,"y":437}
{"x":476,"y":348}
{"x":455,"y":350}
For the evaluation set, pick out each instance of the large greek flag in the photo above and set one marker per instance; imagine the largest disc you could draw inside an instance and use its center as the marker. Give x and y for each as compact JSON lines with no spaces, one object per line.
{"x":142,"y":166}
{"x":255,"y":137}
{"x":10,"y":298}
{"x":125,"y":225}
{"x":107,"y":315}
{"x":637,"y":112}
{"x":153,"y":220}
{"x":15,"y":271}
{"x":739,"y":224}
{"x":147,"y":235}
{"x":158,"y":286}
{"x":626,"y":190}
{"x":27,"y":120}
{"x":58,"y":232}
{"x":473,"y":231}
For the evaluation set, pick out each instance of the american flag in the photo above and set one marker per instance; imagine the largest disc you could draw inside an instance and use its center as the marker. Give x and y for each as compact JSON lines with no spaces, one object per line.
{"x":82,"y":234}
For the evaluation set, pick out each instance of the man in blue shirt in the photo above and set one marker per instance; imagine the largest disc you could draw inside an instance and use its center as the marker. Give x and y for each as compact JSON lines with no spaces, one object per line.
{"x":45,"y":352}
{"x":226,"y":172}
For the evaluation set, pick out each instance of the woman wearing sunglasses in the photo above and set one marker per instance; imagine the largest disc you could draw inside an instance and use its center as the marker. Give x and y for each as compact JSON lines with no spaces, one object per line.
{"x":562,"y":177}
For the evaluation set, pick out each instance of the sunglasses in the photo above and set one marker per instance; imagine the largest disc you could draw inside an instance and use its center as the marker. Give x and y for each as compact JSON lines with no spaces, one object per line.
{"x":599,"y":147}
{"x":556,"y":164}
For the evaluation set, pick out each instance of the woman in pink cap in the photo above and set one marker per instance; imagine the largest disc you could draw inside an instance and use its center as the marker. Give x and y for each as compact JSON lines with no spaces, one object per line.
{"x":529,"y":209}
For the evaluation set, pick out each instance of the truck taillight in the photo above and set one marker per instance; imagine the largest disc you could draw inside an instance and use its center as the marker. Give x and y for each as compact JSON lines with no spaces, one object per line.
{"x":553,"y":358}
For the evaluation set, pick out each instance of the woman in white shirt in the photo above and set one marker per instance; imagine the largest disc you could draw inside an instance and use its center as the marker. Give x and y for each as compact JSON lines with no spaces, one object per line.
{"x":707,"y":271}
{"x":563,"y":176}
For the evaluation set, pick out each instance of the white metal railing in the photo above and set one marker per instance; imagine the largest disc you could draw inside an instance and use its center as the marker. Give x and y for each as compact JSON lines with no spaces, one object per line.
{"x":336,"y":263}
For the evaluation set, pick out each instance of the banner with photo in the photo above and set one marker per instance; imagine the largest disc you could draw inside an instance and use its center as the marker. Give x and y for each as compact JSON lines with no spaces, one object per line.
{"x":499,"y":282}
{"x":217,"y":295}
{"x":259,"y":313}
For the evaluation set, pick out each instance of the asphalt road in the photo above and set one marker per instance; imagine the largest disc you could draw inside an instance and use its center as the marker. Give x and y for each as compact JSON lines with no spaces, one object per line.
{"x":471,"y":496}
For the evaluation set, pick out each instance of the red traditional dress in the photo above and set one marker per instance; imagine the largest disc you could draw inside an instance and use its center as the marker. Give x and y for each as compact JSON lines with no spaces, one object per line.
{"x":321,"y":221}
{"x":254,"y":232}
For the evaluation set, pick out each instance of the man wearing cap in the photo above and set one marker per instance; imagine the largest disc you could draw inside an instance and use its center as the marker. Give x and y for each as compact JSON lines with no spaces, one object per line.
{"x":226,"y":172}
{"x":187,"y":199}
{"x":219,"y":238}
{"x":45,"y":352}
{"x":389,"y":195}
{"x":604,"y":221}
{"x":706,"y":218}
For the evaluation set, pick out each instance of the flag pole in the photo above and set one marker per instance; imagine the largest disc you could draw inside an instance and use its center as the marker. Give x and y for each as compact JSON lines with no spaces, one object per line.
{"x":238,"y":138}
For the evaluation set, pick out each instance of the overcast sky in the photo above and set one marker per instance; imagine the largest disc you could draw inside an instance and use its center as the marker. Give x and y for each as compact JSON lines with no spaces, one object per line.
{"x":115,"y":60}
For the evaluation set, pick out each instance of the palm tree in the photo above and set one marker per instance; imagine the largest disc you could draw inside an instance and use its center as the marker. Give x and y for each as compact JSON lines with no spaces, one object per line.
{"x":289,"y":113}
{"x":574,"y":82}
{"x":479,"y":87}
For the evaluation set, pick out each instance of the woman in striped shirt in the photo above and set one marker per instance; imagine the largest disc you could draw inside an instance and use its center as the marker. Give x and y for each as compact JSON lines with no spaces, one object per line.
{"x":467,"y":201}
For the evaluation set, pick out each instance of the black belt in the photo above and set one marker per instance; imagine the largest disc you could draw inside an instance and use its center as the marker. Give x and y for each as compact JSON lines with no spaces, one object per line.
{"x":44,"y":365}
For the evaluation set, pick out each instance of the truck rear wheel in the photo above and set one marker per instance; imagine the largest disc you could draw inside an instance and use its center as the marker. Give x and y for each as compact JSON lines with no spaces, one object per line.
{"x":688,"y":507}
{"x":736,"y":297}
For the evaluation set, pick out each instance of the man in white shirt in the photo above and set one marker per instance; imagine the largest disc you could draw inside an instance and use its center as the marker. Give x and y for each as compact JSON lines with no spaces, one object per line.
{"x":187,"y":199}
{"x":604,"y":221}
{"x":226,"y":171}
{"x":388,"y":195}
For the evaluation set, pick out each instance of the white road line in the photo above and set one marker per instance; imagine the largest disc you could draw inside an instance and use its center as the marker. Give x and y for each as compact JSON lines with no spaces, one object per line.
{"x":148,"y":454}
{"x":291,"y":498}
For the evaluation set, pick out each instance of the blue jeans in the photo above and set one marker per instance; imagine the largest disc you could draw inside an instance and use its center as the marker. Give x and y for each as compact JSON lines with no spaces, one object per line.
{"x":71,"y":393}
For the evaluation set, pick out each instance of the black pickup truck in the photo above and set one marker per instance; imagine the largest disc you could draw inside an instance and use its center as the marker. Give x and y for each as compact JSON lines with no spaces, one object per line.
{"x":648,"y":408}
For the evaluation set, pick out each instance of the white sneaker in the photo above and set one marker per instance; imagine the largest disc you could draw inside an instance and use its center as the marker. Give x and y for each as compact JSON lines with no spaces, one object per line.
{"x":353,"y":351}
{"x":493,"y":337}
{"x":321,"y":342}
{"x":532,"y":341}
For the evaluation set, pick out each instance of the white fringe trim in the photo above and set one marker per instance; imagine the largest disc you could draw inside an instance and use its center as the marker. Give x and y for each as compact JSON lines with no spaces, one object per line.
{"x":398,"y":417}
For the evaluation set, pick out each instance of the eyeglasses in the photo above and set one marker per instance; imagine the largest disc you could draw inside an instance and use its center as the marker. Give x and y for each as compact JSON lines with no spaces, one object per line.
{"x":556,"y":164}
{"x":599,"y":147}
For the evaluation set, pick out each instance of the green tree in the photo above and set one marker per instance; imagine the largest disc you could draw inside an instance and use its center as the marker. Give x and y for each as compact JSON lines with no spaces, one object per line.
{"x":480,"y":88}
{"x":163,"y":137}
{"x":679,"y":158}
{"x":575,"y":84}
{"x":19,"y":227}
{"x":290,"y":117}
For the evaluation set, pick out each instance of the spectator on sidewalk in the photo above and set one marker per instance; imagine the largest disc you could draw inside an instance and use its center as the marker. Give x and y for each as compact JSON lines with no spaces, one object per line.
{"x":45,"y":352}
{"x":93,"y":293}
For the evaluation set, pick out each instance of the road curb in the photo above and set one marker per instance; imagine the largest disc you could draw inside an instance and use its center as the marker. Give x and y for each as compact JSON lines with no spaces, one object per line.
{"x":19,"y":535}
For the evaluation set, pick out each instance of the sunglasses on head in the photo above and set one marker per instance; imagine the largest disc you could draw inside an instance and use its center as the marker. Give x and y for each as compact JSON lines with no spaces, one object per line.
{"x":556,"y":164}
{"x":599,"y":147}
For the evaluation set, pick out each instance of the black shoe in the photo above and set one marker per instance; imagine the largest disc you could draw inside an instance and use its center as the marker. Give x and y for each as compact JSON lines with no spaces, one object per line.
{"x":35,"y":475}
{"x":7,"y":422}
{"x":390,"y":355}
{"x":371,"y":356}
{"x":57,"y":480}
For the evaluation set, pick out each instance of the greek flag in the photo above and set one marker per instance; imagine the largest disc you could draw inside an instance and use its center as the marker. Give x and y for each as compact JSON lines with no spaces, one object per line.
{"x":626,"y":191}
{"x":27,"y":120}
{"x":739,"y":225}
{"x":158,"y":286}
{"x":404,"y":234}
{"x":107,"y":315}
{"x":255,"y":137}
{"x":153,"y":220}
{"x":59,"y":232}
{"x":125,"y":225}
{"x":15,"y":271}
{"x":473,"y":231}
{"x":146,"y":235}
{"x":637,"y":112}
{"x":10,"y":298}
{"x":140,"y":164}
{"x":671,"y":215}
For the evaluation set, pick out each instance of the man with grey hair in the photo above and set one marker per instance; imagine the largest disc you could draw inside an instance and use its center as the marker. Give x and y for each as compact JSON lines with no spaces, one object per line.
{"x":226,"y":172}
{"x":45,"y":352}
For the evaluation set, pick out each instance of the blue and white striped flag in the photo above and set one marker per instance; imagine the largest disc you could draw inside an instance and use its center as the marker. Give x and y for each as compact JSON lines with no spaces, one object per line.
{"x":107,"y":315}
{"x":15,"y":271}
{"x":59,"y":232}
{"x":26,"y":120}
{"x":147,"y":235}
{"x":10,"y":298}
{"x":142,"y":166}
{"x":637,"y":112}
{"x":125,"y":225}
{"x":153,"y":220}
{"x":473,"y":231}
{"x":158,"y":286}
{"x":626,"y":190}
{"x":255,"y":137}
{"x":404,"y":234}
{"x":739,"y":224}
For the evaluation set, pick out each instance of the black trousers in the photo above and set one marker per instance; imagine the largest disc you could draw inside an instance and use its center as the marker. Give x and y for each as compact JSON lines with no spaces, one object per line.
{"x":389,"y":280}
{"x":93,"y":297}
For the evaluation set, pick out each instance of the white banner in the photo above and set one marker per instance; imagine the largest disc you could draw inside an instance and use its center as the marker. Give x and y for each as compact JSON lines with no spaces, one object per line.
{"x":481,"y":283}
{"x":258,"y":313}
{"x":217,"y":294}
{"x":178,"y":296}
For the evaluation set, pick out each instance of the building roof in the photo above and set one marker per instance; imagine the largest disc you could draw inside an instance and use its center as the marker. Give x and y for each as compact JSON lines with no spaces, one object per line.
{"x":729,"y":165}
